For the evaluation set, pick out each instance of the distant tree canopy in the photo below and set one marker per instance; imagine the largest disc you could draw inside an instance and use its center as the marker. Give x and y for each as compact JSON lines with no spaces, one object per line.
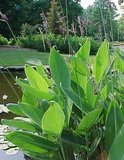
{"x":102,"y":19}
{"x":28,"y":11}
{"x":62,"y":16}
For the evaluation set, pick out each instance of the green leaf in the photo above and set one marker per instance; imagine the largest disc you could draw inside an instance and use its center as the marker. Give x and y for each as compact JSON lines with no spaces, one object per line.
{"x":37,"y":93}
{"x":113,"y":124}
{"x":29,"y":98}
{"x":43,"y":105}
{"x":31,"y":142}
{"x":59,"y":70}
{"x":53,"y":120}
{"x":88,"y":121}
{"x":77,"y":89}
{"x":35,"y":114}
{"x":79,"y":78}
{"x":20,"y":124}
{"x":78,"y":101}
{"x":117,"y":148}
{"x":35,"y":79}
{"x":84,"y":51}
{"x":14,"y":108}
{"x":90,"y":93}
{"x":79,"y":66}
{"x":72,"y":138}
{"x":106,"y":90}
{"x":41,"y":71}
{"x":119,"y":61}
{"x":101,"y":61}
{"x":95,"y":143}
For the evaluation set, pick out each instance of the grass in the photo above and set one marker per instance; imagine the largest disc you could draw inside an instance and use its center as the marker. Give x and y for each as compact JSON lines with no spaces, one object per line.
{"x":19,"y":57}
{"x":10,"y":57}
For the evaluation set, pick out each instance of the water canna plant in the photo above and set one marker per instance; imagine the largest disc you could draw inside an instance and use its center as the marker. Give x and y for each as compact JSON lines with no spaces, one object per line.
{"x":76,"y":112}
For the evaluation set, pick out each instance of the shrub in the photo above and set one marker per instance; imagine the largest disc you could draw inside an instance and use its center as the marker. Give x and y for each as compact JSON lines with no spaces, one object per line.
{"x":66,"y":45}
{"x":3,"y":40}
{"x":27,"y":29}
{"x":76,"y":113}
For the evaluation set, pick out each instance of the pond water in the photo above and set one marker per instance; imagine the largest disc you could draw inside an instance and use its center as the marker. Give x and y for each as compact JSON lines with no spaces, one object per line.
{"x":8,"y":86}
{"x":9,"y":93}
{"x":18,"y":156}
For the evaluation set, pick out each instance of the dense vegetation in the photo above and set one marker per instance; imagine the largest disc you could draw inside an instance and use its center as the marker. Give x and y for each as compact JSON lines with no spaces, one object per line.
{"x":98,"y":20}
{"x":75,"y":112}
{"x":43,"y":42}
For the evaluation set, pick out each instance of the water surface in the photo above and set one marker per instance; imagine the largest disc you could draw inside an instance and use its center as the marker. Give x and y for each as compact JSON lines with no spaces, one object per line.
{"x":13,"y":93}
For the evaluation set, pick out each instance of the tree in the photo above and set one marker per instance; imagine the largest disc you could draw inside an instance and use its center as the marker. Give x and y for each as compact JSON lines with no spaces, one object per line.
{"x":20,"y":12}
{"x":28,"y":11}
{"x":101,"y":18}
{"x":72,"y":9}
{"x":121,"y":29}
{"x":55,"y":19}
{"x":120,"y":1}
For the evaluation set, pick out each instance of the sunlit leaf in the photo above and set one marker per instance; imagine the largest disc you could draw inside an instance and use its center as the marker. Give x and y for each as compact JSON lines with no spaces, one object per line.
{"x":90,"y":93}
{"x":72,"y":138}
{"x":41,"y":71}
{"x":84,"y":51}
{"x":77,"y":100}
{"x":31,"y":142}
{"x":20,"y":124}
{"x":59,"y":70}
{"x":79,"y":66}
{"x":36,"y":92}
{"x":53,"y":120}
{"x":88,"y":121}
{"x":14,"y":108}
{"x":101,"y":61}
{"x":113,"y":124}
{"x":35,"y":114}
{"x":35,"y":79}
{"x":117,"y":148}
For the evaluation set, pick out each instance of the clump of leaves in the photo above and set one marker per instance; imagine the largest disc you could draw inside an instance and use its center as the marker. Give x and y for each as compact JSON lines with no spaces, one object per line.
{"x":77,"y":112}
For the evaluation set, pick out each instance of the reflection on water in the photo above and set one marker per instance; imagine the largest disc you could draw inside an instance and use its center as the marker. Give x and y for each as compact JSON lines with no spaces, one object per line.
{"x":8,"y":87}
{"x":13,"y":92}
{"x":18,"y":156}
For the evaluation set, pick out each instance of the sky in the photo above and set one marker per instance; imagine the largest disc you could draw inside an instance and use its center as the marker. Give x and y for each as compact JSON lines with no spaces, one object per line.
{"x":86,"y":3}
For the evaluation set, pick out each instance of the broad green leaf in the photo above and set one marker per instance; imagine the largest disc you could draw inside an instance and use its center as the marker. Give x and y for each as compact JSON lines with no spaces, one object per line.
{"x":113,"y":124}
{"x":29,"y":98}
{"x":35,"y":114}
{"x":117,"y":149}
{"x":43,"y":105}
{"x":79,"y":78}
{"x":101,"y":61}
{"x":37,"y":93}
{"x":59,"y":69}
{"x":41,"y":71}
{"x":88,"y":121}
{"x":78,"y":101}
{"x":72,"y":138}
{"x":90,"y":93}
{"x":79,"y":71}
{"x":77,"y":89}
{"x":36,"y":156}
{"x":20,"y":124}
{"x":53,"y":120}
{"x":106,"y":90}
{"x":35,"y":79}
{"x":79,"y":66}
{"x":84,"y":51}
{"x":14,"y":108}
{"x":119,"y":61}
{"x":31,"y":142}
{"x":95,"y":143}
